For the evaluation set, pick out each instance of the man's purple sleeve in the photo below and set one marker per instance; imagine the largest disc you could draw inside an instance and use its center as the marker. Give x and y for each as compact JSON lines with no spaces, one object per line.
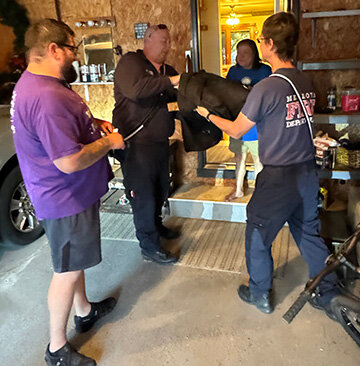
{"x":58,"y":130}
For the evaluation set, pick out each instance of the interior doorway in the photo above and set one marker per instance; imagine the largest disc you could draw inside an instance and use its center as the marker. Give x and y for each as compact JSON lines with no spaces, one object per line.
{"x":218,"y":25}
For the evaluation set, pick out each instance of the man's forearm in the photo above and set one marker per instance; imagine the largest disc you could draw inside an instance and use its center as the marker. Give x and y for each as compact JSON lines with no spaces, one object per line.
{"x":93,"y":152}
{"x":235,"y":129}
{"x":226,"y":126}
{"x":84,"y":158}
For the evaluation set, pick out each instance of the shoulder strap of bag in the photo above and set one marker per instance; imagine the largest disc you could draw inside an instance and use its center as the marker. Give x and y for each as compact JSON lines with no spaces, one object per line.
{"x":300,"y":101}
{"x":143,"y":123}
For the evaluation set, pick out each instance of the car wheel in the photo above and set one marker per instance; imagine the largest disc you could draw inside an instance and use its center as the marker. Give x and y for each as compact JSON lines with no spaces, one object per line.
{"x":19,"y":224}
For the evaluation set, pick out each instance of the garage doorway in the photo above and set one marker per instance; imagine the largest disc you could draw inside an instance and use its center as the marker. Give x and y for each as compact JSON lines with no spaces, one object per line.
{"x":217,"y":27}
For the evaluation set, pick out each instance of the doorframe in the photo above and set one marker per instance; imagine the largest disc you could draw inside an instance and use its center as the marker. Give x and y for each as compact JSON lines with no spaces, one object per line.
{"x":195,"y":35}
{"x":291,"y":5}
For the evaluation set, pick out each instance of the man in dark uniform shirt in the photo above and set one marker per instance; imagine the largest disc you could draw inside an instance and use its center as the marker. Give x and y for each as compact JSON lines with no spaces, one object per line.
{"x":287,"y":188}
{"x":143,"y":86}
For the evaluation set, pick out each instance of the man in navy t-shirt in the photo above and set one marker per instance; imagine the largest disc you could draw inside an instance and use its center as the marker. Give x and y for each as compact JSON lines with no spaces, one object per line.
{"x":287,"y":187}
{"x":63,"y":161}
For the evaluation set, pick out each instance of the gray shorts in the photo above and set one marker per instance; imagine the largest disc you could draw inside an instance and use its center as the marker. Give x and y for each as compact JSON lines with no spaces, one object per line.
{"x":242,"y":147}
{"x":75,"y":240}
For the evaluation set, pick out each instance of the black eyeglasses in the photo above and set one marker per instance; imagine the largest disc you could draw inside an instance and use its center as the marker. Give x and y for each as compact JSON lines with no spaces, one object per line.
{"x":72,"y":48}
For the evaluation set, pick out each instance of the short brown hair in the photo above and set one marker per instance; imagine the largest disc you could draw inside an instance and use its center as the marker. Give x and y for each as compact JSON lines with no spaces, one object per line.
{"x":283,"y":29}
{"x":45,"y":31}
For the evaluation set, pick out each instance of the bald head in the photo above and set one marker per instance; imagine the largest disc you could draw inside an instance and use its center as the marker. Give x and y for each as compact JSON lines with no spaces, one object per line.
{"x":157,"y":43}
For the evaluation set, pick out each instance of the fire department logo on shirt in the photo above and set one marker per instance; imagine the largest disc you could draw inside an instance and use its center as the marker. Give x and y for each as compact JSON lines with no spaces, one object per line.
{"x":294,"y":113}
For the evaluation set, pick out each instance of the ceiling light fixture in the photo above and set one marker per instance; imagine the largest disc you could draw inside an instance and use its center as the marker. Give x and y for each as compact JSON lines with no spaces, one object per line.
{"x":232,"y":19}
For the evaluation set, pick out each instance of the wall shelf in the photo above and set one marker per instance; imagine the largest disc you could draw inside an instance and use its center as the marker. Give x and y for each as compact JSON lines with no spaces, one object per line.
{"x":334,"y":13}
{"x":326,"y":14}
{"x":337,"y":117}
{"x":86,"y":86}
{"x":339,"y":174}
{"x":350,"y":64}
{"x":92,"y":83}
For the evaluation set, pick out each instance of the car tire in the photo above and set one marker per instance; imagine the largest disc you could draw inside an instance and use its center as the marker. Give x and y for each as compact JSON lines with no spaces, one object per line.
{"x":18,"y":222}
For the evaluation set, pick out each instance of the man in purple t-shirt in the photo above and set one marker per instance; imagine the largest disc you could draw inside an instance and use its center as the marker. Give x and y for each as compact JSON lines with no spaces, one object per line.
{"x":63,"y":161}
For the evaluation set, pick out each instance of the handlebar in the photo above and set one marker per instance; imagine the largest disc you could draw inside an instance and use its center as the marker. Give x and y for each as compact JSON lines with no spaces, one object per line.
{"x":297,"y":306}
{"x":353,"y":240}
{"x":311,"y":285}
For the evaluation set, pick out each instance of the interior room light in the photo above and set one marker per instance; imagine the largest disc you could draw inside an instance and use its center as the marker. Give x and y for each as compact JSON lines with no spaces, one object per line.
{"x":96,"y":22}
{"x":232,"y":20}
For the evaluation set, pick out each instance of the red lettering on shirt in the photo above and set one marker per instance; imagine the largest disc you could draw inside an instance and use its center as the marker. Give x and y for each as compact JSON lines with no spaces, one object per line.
{"x":294,"y":108}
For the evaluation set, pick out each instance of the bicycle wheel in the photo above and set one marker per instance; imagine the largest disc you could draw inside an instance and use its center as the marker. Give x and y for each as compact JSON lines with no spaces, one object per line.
{"x":347,"y":312}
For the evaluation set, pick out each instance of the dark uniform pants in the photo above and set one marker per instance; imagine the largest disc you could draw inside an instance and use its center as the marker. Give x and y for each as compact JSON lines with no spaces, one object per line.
{"x":285,"y":194}
{"x":146,"y":181}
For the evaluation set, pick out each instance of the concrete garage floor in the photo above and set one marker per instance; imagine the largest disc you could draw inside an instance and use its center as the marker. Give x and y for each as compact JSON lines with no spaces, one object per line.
{"x":165,"y":316}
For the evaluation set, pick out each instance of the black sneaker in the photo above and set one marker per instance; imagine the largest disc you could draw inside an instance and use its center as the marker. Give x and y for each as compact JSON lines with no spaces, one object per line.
{"x":315,"y":303}
{"x":160,"y":256}
{"x":67,"y":356}
{"x":98,"y":310}
{"x":262,"y":302}
{"x":167,"y":233}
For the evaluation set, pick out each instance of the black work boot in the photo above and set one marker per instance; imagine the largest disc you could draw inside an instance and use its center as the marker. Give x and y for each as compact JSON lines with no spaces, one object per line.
{"x":167,"y":233}
{"x":262,"y":302}
{"x":160,"y":256}
{"x":98,"y":310}
{"x":67,"y":356}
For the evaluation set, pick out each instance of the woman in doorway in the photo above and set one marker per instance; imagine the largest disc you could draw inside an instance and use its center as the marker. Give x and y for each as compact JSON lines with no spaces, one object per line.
{"x":248,"y":70}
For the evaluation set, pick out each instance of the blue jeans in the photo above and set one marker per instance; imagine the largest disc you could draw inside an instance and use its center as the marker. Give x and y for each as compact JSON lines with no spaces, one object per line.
{"x":285,"y":194}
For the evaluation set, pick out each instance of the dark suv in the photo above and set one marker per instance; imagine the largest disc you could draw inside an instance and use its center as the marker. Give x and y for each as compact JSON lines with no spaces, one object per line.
{"x":18,"y":223}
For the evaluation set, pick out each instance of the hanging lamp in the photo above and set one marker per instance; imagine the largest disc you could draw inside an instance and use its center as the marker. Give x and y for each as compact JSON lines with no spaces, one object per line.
{"x":232,"y":19}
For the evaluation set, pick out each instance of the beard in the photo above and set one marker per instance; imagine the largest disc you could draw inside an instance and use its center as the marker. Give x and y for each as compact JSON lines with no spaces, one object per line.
{"x":69,"y":73}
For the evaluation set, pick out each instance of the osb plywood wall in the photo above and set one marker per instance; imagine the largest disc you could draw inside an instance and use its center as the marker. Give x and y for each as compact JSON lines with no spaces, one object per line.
{"x":37,"y":9}
{"x":174,"y":13}
{"x":101,"y":101}
{"x":337,"y":38}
